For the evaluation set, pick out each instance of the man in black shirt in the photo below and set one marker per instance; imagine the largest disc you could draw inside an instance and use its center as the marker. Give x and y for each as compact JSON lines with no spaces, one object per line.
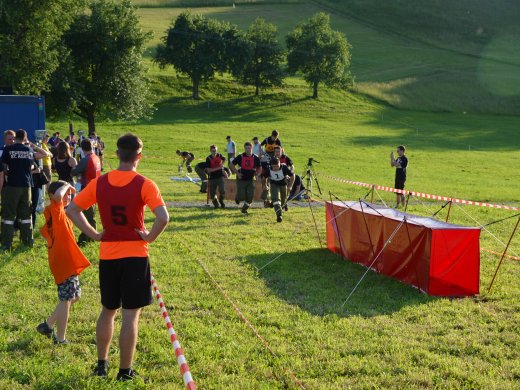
{"x":280,"y":178}
{"x":400,"y":165}
{"x":215,"y":168}
{"x":187,"y":157}
{"x":249,"y":167}
{"x":270,"y":142}
{"x":18,"y":160}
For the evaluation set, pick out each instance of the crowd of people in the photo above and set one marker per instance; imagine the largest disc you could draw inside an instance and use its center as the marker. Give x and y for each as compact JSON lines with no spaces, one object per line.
{"x":26,"y":170}
{"x":120,"y":196}
{"x":264,"y":161}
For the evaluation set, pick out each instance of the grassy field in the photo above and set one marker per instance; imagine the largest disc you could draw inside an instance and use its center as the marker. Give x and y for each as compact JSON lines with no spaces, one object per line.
{"x":388,"y":336}
{"x":406,"y":70}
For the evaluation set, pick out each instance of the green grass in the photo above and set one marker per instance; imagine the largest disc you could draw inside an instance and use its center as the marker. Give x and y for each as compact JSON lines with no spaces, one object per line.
{"x":389,"y":335}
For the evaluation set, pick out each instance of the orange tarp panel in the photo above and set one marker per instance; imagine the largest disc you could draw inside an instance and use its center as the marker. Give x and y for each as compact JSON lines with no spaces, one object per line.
{"x":437,"y":257}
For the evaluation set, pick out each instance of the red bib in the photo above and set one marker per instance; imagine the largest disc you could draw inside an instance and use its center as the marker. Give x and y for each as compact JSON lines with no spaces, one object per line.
{"x":93,"y":170}
{"x":248,"y":162}
{"x":121,"y":209}
{"x":215,"y":162}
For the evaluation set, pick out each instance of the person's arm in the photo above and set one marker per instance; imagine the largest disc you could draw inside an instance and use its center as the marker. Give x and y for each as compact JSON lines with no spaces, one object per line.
{"x":290,"y":183}
{"x":39,"y":153}
{"x":393,"y":162}
{"x":72,"y":162}
{"x":74,"y":212}
{"x":233,"y":167}
{"x":80,"y":168}
{"x":161,"y":221}
{"x":60,"y":193}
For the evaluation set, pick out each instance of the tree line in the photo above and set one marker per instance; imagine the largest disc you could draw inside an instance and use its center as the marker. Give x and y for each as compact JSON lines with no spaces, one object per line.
{"x":86,"y":56}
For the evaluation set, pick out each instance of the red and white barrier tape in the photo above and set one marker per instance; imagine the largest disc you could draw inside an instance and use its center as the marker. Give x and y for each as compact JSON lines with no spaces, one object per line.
{"x":181,"y":360}
{"x":500,"y":254}
{"x":422,"y":194}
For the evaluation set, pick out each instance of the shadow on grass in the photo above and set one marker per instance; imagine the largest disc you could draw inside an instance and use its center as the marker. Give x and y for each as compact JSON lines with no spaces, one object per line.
{"x":319,"y":281}
{"x":246,"y":108}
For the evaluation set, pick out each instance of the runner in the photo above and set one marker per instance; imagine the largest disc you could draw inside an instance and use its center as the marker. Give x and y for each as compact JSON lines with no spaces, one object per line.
{"x":280,"y":179}
{"x":215,"y":168}
{"x":249,"y":167}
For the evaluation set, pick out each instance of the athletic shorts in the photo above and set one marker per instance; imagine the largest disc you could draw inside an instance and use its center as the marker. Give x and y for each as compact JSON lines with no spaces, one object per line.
{"x":399,"y":184}
{"x":125,"y":282}
{"x":69,"y":289}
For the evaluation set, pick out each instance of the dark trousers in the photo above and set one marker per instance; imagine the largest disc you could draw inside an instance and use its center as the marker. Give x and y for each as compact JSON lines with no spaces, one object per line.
{"x":245,"y":191}
{"x":279,"y":197}
{"x":214,"y":186}
{"x":199,"y":169}
{"x":35,"y":199}
{"x":16,"y":204}
{"x":89,"y":214}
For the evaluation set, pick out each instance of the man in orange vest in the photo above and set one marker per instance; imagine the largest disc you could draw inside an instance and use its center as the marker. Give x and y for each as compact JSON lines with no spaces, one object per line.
{"x":88,"y":169}
{"x":124,"y":266}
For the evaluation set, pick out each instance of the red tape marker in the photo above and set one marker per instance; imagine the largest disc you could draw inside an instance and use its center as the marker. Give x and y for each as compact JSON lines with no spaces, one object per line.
{"x":422,"y":194}
{"x":181,"y":360}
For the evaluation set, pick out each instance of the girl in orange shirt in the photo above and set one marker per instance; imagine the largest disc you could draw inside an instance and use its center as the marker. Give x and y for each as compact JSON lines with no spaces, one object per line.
{"x":66,"y":260}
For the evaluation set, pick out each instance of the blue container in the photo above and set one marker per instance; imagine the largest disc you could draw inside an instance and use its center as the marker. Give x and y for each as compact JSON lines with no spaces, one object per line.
{"x":22,"y":112}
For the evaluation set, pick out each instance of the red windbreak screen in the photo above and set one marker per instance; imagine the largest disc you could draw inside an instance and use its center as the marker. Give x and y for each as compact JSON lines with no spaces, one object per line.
{"x":436,"y":257}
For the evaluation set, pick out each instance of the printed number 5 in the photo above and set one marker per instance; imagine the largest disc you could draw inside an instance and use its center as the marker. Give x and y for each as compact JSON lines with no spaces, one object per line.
{"x":119,"y":215}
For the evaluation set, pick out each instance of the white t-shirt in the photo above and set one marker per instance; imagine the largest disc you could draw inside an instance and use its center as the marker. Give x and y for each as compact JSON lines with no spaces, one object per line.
{"x":257,"y":149}
{"x":231,"y":147}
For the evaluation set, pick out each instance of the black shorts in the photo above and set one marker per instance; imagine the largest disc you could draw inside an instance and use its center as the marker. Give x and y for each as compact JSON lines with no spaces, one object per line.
{"x":125,"y":282}
{"x":399,"y":184}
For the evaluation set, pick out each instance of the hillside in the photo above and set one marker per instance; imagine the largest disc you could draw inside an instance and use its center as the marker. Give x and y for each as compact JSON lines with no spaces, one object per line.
{"x":399,"y":56}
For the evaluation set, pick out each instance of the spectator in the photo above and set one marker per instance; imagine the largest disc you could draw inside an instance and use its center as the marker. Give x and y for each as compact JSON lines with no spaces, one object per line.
{"x":18,"y":159}
{"x":231,"y":150}
{"x":87,"y":169}
{"x":66,"y":260}
{"x":124,"y":266}
{"x":64,"y":163}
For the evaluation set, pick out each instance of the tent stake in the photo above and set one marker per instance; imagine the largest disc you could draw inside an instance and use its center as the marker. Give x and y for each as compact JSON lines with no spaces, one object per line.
{"x":504,"y":254}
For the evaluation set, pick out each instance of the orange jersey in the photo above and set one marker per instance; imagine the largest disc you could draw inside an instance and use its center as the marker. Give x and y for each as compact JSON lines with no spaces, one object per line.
{"x":65,"y":257}
{"x":151,"y":196}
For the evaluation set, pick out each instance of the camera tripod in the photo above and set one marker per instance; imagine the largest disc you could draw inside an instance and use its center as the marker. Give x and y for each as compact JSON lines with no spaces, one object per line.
{"x":310,"y":176}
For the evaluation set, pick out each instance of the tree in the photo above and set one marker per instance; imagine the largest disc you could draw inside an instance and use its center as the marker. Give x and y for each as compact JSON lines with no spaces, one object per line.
{"x":30,"y":35}
{"x":262,"y":67}
{"x":321,"y":54}
{"x":101,"y":74}
{"x":195,"y":46}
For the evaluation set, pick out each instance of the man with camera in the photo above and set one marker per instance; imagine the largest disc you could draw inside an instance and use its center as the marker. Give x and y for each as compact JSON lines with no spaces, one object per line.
{"x":400,"y":165}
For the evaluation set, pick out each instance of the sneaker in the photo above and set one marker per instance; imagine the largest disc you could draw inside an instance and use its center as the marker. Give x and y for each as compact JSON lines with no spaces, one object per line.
{"x":286,"y":208}
{"x":279,"y":218}
{"x":126,"y":377}
{"x":203,"y":192}
{"x":45,"y":329}
{"x":237,"y":201}
{"x":100,"y":369}
{"x":244,"y":210}
{"x":222,"y":205}
{"x":56,"y":341}
{"x":266,"y":204}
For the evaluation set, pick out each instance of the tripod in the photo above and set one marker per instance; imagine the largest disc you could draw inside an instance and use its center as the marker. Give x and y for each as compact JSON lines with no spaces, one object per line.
{"x":310,"y":176}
